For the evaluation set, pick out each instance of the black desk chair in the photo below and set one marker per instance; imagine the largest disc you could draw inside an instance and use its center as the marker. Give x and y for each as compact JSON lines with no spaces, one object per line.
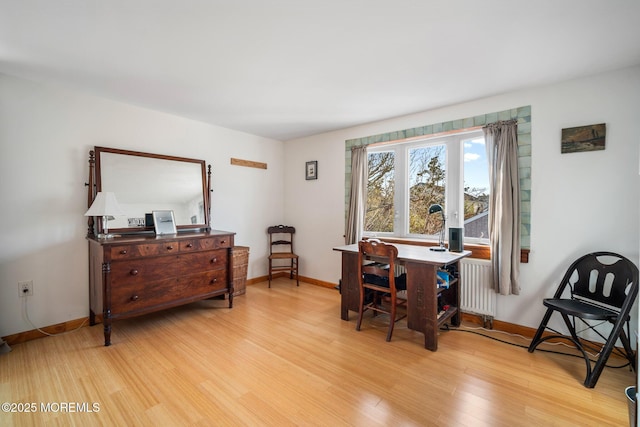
{"x":281,"y":249}
{"x":377,"y":282}
{"x":601,"y":287}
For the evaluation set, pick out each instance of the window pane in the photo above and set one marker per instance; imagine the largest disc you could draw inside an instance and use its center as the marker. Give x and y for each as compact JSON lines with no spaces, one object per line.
{"x":380,"y":192}
{"x":426,"y":187}
{"x":476,"y":189}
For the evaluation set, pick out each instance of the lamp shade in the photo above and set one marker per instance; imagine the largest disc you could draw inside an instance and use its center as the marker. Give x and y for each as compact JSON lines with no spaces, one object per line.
{"x":105,"y":204}
{"x":434,"y":208}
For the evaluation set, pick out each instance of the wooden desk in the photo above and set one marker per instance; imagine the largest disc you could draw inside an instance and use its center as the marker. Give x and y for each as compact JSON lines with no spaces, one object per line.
{"x":421,"y":265}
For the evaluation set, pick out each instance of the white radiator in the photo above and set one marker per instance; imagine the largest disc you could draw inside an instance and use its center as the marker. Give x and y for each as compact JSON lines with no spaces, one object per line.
{"x":476,"y":294}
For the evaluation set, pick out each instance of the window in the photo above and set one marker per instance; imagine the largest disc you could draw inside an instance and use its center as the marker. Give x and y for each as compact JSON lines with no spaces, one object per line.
{"x":408,"y":177}
{"x":380,"y":193}
{"x":476,"y":189}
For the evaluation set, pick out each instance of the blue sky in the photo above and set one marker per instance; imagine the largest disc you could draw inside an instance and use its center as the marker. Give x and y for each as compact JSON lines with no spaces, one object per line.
{"x":476,"y":173}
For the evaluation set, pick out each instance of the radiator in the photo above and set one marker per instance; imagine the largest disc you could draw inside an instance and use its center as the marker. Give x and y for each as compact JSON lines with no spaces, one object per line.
{"x":476,"y":294}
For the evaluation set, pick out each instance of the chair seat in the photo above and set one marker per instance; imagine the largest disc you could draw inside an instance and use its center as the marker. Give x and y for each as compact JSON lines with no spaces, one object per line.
{"x":581,"y":309}
{"x":282,"y":255}
{"x":382,"y":281}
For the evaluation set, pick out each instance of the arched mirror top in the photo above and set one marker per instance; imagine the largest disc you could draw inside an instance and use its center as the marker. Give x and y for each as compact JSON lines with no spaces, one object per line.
{"x":146,"y":182}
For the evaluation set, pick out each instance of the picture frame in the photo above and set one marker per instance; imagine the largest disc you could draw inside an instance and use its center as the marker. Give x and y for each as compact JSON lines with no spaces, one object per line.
{"x":311,"y":170}
{"x":164,"y":222}
{"x":583,"y":138}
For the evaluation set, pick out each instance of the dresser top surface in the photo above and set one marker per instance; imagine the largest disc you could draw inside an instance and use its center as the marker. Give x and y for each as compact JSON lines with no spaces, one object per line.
{"x":149,"y":238}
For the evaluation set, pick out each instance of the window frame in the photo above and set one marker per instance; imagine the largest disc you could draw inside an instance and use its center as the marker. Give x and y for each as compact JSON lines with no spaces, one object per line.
{"x":454,"y":183}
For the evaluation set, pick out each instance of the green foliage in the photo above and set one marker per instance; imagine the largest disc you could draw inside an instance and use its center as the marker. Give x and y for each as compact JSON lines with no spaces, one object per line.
{"x":427,"y":187}
{"x":380,"y":192}
{"x":427,"y":182}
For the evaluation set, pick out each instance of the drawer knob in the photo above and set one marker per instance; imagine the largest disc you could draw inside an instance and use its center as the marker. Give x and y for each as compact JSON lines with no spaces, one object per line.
{"x":123,"y":252}
{"x":222,"y":242}
{"x":134,"y":298}
{"x":169,"y":248}
{"x":213,"y":281}
{"x":189,"y":245}
{"x":214,"y":260}
{"x":133,"y":272}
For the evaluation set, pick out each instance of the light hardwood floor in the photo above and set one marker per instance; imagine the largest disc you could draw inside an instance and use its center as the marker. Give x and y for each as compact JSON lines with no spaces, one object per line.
{"x":282,"y":356}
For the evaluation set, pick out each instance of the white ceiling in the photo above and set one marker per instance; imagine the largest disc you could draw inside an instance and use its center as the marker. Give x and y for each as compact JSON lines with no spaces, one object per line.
{"x":290,"y":68}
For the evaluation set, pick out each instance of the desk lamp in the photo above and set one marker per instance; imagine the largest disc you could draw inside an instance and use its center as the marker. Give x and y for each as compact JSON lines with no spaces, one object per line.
{"x":433,"y":209}
{"x":106,"y":206}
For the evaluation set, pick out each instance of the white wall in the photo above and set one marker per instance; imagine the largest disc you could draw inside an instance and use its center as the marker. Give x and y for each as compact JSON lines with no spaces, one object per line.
{"x":581,"y":202}
{"x":46,"y":133}
{"x":45,"y":137}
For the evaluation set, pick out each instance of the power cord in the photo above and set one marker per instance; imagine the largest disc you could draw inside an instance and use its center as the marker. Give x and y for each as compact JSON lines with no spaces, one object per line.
{"x":25,"y":315}
{"x":471,"y":330}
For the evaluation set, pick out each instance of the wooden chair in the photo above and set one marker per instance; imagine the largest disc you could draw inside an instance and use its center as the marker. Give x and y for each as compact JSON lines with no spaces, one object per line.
{"x":378,"y":290}
{"x":281,"y":249}
{"x":598,"y":288}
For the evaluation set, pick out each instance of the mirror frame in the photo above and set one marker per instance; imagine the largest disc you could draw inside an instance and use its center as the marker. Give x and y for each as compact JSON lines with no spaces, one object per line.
{"x":95,"y":185}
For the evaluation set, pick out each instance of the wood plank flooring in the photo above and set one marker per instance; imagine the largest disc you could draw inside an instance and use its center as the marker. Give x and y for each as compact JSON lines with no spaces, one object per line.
{"x":283,"y":357}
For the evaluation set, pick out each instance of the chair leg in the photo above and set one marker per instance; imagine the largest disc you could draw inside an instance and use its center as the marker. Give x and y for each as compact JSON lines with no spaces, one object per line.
{"x":592,"y":378}
{"x":392,"y":317}
{"x":543,"y":325}
{"x":360,"y":310}
{"x":538,"y":338}
{"x":374,"y":302}
{"x":631,"y":356}
{"x":297,"y":278}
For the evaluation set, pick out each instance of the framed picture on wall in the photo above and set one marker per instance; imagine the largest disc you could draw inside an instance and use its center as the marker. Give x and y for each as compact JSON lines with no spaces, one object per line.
{"x":583,"y":138}
{"x":311,"y":170}
{"x":164,"y":222}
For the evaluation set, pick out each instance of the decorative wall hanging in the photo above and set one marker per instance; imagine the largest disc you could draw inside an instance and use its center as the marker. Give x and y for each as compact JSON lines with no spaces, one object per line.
{"x":583,"y":138}
{"x":311,"y":170}
{"x":248,"y":163}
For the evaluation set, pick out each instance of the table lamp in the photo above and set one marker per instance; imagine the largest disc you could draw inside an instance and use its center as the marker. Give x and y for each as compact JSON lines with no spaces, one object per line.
{"x":433,"y":209}
{"x":105,"y":205}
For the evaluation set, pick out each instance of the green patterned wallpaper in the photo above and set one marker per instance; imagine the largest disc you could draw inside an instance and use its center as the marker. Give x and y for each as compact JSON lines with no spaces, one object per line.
{"x":522,"y":114}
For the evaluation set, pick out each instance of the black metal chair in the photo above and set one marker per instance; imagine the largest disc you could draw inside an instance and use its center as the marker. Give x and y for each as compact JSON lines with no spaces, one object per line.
{"x":598,"y":287}
{"x":377,"y":282}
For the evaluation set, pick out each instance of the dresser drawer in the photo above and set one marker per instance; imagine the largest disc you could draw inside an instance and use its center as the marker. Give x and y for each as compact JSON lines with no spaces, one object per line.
{"x":138,"y":296}
{"x":142,"y":270}
{"x":196,"y":245}
{"x":222,"y":242}
{"x":217,"y":242}
{"x":204,"y":283}
{"x":143,"y":250}
{"x":202,"y":261}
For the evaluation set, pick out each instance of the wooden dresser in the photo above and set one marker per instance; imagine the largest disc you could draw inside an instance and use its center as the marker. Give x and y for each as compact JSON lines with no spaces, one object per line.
{"x":134,"y":275}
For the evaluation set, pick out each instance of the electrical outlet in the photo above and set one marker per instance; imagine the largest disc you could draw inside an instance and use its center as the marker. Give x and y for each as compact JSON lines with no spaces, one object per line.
{"x":25,"y":289}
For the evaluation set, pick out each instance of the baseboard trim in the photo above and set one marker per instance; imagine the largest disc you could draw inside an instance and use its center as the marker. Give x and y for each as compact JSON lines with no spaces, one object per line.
{"x":309,"y":280}
{"x":511,"y":328}
{"x":58,"y":328}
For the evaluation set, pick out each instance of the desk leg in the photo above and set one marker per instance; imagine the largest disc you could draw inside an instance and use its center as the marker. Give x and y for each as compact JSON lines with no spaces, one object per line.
{"x":349,"y":292}
{"x":422,"y":310}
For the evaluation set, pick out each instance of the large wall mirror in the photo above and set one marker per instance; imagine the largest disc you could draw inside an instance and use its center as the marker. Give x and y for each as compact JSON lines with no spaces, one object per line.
{"x":145,"y":182}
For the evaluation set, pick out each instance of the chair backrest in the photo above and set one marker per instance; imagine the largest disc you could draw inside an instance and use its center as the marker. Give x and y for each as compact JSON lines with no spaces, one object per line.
{"x":603,"y":278}
{"x":281,"y":238}
{"x":384,"y":257}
